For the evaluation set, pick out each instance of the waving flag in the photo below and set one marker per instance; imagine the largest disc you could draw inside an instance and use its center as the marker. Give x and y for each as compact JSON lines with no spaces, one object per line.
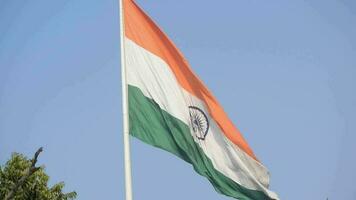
{"x":170,"y":108}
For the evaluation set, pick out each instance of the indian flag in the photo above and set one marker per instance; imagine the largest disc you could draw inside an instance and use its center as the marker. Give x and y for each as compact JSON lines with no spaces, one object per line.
{"x":170,"y":108}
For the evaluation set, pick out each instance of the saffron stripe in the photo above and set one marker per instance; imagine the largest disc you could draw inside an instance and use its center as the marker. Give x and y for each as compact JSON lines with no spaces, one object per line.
{"x":144,"y":32}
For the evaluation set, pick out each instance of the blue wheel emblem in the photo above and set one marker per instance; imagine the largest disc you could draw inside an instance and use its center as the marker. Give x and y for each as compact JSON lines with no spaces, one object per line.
{"x":199,"y":122}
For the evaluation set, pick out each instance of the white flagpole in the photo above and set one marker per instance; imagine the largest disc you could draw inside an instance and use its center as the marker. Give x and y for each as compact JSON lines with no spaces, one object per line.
{"x":127,"y":156}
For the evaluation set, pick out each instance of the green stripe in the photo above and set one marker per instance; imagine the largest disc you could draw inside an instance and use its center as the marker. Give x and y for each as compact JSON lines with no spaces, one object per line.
{"x":153,"y":125}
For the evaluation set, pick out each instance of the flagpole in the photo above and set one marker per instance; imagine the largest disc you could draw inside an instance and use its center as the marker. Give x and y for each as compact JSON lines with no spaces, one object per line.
{"x":127,"y":154}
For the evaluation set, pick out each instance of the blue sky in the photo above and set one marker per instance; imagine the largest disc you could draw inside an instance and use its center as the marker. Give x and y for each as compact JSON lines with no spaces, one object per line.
{"x":285,"y":72}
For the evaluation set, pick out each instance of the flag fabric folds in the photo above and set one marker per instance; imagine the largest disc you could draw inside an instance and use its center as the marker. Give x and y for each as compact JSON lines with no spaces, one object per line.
{"x":170,"y":108}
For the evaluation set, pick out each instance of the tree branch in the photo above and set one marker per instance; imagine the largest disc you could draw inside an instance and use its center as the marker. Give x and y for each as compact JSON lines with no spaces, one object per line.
{"x":31,"y":170}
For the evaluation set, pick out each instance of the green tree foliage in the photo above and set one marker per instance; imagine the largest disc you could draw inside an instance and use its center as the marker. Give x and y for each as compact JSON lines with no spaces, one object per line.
{"x":35,"y":187}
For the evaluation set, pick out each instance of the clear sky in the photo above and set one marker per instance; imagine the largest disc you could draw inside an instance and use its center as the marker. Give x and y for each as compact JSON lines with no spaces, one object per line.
{"x":285,"y":72}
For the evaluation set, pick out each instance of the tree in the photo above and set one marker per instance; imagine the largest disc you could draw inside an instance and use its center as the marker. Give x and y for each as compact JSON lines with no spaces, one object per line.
{"x":20,"y":179}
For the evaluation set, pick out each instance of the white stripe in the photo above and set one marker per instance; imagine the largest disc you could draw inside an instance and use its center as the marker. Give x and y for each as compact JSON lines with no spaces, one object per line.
{"x":156,"y":80}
